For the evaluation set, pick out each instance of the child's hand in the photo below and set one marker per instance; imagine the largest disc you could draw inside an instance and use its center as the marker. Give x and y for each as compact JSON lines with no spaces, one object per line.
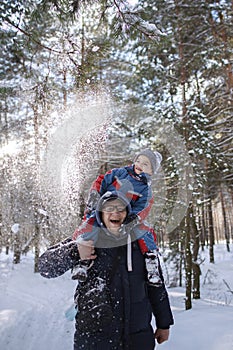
{"x":86,"y":250}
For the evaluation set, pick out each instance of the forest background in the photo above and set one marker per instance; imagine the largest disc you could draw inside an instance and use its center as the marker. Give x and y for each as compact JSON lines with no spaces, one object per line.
{"x":85,"y":85}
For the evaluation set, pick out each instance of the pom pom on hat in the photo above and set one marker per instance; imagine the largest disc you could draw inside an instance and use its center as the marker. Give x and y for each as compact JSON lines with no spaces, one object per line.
{"x":154,"y":157}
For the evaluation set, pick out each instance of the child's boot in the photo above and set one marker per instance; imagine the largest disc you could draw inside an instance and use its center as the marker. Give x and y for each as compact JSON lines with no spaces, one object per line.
{"x":79,"y":272}
{"x":152,"y":267}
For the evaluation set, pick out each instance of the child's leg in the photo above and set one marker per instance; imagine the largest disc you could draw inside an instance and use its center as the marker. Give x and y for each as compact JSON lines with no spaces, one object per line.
{"x":79,"y":272}
{"x":153,"y":268}
{"x":87,"y":231}
{"x":149,"y":249}
{"x":145,"y":238}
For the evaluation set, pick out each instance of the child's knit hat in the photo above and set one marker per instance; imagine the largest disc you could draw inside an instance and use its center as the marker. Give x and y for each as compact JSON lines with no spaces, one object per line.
{"x":154,"y":157}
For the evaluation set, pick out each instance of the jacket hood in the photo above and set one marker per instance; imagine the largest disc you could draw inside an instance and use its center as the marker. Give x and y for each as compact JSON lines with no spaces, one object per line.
{"x":108,"y":239}
{"x":111,"y":196}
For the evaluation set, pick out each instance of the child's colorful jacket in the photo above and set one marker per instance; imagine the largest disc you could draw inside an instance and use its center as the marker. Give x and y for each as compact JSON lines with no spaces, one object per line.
{"x":137,"y":188}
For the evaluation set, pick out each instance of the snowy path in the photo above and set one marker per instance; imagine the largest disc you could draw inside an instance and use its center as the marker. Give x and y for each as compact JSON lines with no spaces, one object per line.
{"x":32,"y":309}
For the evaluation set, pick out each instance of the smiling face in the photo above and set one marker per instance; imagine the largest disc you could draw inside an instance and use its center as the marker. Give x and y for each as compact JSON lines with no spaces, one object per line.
{"x":142,"y":165}
{"x":113,"y":214}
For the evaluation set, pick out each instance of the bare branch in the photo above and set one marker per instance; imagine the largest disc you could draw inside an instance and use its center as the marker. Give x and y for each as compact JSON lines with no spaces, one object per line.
{"x":229,"y":289}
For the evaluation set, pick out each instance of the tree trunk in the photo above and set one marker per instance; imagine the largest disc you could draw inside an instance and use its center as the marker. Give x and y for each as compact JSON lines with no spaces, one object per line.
{"x":183,"y":75}
{"x":226,"y":229}
{"x":35,"y":200}
{"x":17,"y":249}
{"x":202,"y":226}
{"x":181,"y":265}
{"x":206,"y":223}
{"x":37,"y":247}
{"x":211,"y":232}
{"x":196,"y":280}
{"x":195,"y":266}
{"x":188,"y":264}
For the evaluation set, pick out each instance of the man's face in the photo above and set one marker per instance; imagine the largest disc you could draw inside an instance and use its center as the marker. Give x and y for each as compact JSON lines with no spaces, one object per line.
{"x":143,"y":165}
{"x":113,"y":214}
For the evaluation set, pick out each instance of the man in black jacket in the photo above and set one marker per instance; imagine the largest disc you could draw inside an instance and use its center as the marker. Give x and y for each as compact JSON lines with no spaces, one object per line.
{"x":119,"y":262}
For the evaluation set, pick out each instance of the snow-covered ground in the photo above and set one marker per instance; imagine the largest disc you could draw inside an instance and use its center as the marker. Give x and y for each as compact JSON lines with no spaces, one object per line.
{"x":32,"y":308}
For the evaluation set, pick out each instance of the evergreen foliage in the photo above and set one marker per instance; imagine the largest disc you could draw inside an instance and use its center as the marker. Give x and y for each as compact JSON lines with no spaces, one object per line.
{"x":167,"y":66}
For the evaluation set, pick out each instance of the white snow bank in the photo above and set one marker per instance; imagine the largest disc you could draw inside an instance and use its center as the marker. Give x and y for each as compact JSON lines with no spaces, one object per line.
{"x":32,"y":308}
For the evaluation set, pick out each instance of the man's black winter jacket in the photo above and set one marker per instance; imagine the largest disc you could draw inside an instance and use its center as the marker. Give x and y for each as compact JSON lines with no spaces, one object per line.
{"x":133,"y":299}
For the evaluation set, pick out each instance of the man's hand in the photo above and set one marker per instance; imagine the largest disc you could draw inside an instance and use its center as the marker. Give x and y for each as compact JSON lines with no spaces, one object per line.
{"x":161,"y":335}
{"x":86,"y":250}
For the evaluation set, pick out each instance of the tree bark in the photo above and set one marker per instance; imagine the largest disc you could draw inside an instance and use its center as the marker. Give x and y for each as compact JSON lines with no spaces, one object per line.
{"x":188,"y":264}
{"x":195,"y":266}
{"x":36,"y":205}
{"x":226,"y":229}
{"x":211,"y":232}
{"x":37,"y":247}
{"x":17,"y":249}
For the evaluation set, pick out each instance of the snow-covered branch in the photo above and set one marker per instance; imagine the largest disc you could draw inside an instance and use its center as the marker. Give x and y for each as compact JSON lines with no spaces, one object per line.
{"x":132,"y":19}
